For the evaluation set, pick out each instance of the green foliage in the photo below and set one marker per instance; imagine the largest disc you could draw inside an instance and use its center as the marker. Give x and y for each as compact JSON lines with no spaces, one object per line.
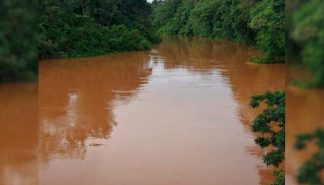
{"x":84,"y":28}
{"x":180,"y":18}
{"x":268,"y":19}
{"x":280,"y":177}
{"x":257,"y":23}
{"x":18,"y":37}
{"x":305,"y":41}
{"x":309,"y":173}
{"x":271,"y":124}
{"x":164,"y":11}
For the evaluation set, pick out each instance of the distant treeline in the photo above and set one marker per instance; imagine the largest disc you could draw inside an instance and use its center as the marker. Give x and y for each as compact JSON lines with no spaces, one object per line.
{"x":81,"y":28}
{"x":258,"y":23}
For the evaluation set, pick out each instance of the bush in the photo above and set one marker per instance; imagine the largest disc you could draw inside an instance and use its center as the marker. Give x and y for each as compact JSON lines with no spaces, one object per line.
{"x":88,"y":38}
{"x":69,"y":28}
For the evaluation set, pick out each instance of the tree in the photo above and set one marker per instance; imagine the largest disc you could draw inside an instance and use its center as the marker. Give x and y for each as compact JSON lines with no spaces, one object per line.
{"x":271,"y":124}
{"x":259,"y":23}
{"x":81,"y":28}
{"x":268,"y":19}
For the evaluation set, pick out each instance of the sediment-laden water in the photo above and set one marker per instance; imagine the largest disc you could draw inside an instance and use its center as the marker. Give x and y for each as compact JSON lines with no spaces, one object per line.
{"x":176,"y":115}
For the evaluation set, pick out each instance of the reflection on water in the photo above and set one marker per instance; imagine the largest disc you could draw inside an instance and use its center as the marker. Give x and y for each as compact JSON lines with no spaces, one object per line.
{"x":178,"y":114}
{"x":76,"y":100}
{"x":18,"y":134}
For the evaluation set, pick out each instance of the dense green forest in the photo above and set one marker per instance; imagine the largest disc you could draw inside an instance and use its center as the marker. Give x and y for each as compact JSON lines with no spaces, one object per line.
{"x":258,"y":23}
{"x":80,"y":28}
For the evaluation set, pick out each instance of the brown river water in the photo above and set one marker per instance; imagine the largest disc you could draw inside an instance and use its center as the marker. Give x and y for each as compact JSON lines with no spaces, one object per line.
{"x":18,"y":134}
{"x":175,"y":115}
{"x":304,"y":114}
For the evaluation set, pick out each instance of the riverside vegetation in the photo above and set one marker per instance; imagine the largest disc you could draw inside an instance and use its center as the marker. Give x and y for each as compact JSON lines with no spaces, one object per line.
{"x":271,"y":124}
{"x":258,"y":23}
{"x":81,"y":28}
{"x":304,"y":48}
{"x":305,"y":41}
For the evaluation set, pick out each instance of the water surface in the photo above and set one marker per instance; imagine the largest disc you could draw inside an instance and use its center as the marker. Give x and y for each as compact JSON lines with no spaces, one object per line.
{"x":18,"y":134}
{"x":176,"y":115}
{"x":304,"y":114}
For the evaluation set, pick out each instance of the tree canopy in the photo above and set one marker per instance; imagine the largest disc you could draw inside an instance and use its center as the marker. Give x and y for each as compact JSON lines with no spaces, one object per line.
{"x":259,"y":23}
{"x":80,"y":28}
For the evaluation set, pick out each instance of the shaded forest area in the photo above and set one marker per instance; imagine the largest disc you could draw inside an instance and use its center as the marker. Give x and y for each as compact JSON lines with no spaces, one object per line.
{"x":81,"y":28}
{"x":258,"y":23}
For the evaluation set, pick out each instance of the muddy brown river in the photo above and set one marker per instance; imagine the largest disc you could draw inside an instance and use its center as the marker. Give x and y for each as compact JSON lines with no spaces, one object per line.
{"x":176,"y":115}
{"x":18,"y":134}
